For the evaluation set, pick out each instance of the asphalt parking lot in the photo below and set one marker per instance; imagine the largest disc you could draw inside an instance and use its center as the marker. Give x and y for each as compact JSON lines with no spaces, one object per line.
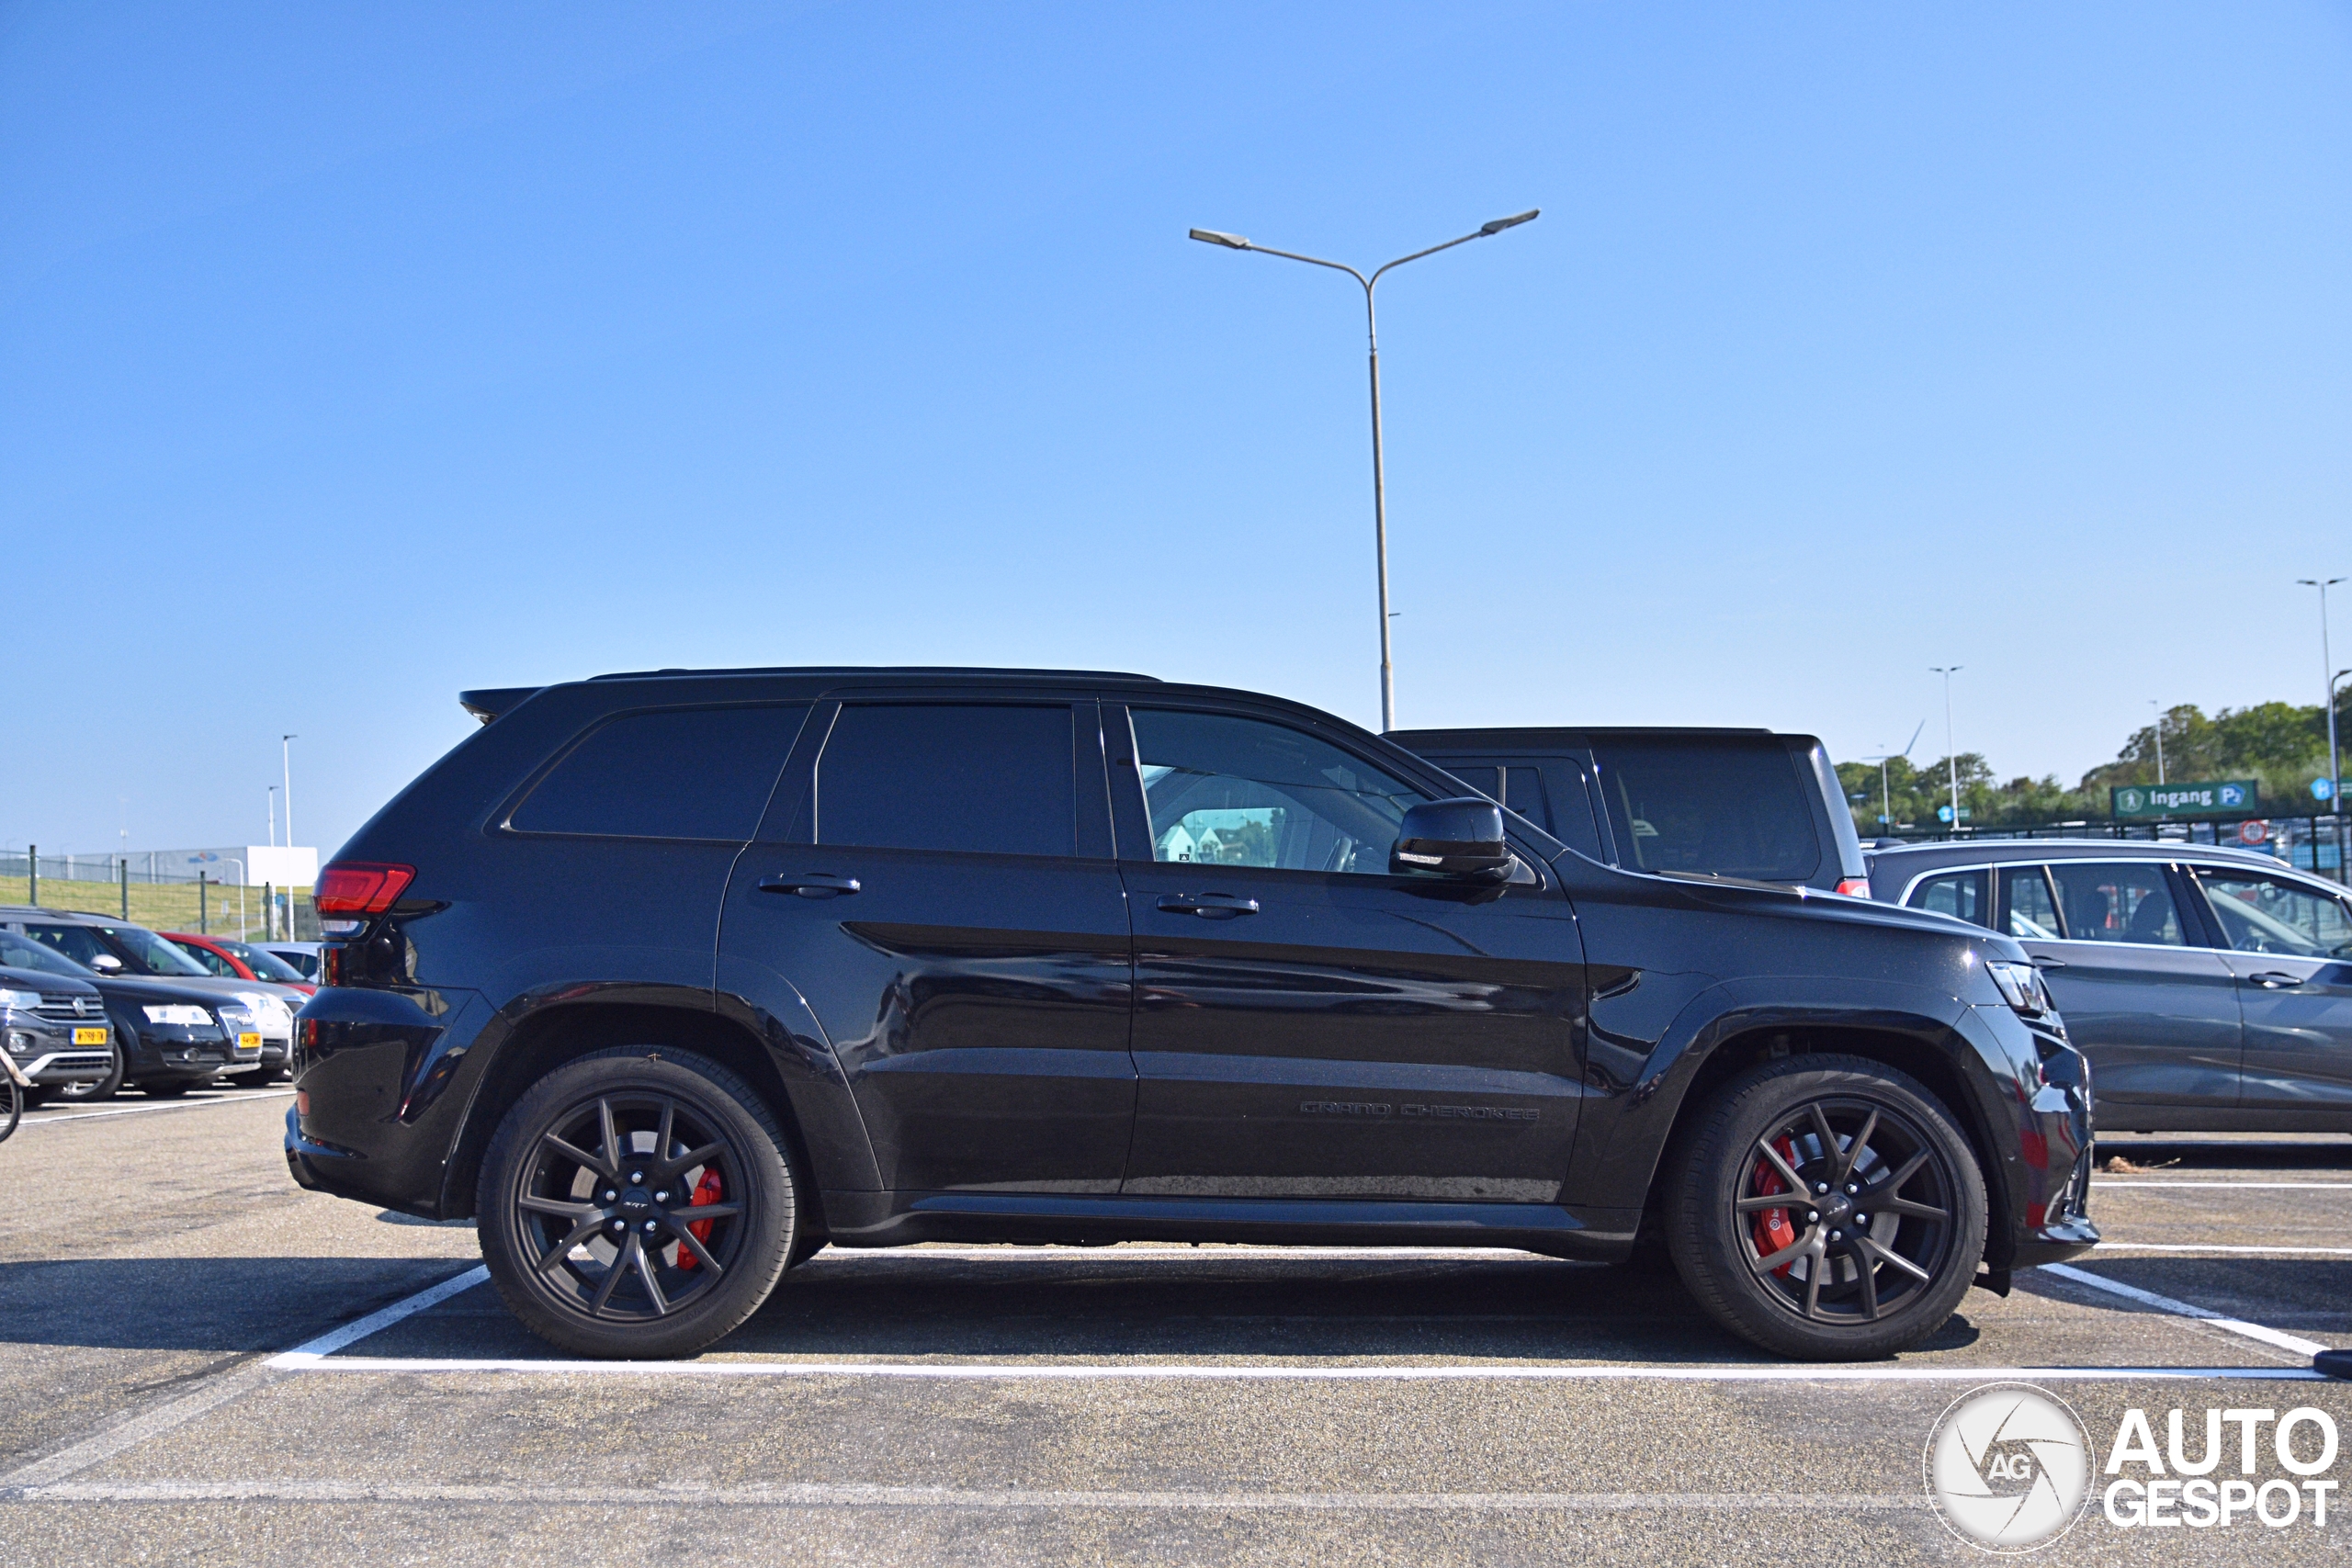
{"x":1169,"y":1404}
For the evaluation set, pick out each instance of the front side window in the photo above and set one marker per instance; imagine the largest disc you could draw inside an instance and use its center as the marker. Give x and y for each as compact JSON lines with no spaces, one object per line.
{"x":1725,"y":807}
{"x":152,"y":953}
{"x":2118,"y":903}
{"x":2033,"y":915}
{"x":670,"y":774}
{"x":1222,"y":790}
{"x":970,"y":777}
{"x":1959,"y":893}
{"x":2269,"y":914}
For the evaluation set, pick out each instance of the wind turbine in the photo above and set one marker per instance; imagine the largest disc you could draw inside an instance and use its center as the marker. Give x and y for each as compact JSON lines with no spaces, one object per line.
{"x":1885,"y":792}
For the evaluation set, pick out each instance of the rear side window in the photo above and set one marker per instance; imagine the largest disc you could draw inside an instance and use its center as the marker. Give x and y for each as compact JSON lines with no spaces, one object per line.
{"x":1959,"y":893}
{"x":1720,"y":808}
{"x":669,"y":774}
{"x":970,"y":777}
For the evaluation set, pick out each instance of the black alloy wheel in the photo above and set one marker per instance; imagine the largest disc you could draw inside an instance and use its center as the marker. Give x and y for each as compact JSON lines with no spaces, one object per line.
{"x":637,"y":1203}
{"x":1831,"y":1210}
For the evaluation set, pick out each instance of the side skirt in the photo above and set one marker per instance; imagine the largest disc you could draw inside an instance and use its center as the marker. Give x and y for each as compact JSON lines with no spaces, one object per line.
{"x":902,"y":1219}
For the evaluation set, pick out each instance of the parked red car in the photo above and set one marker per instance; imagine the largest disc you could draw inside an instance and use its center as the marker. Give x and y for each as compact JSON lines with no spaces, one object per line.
{"x":240,"y":960}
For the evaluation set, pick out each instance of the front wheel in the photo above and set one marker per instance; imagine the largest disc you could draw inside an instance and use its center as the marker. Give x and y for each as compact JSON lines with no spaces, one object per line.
{"x":1828,"y":1209}
{"x":95,"y":1090}
{"x":637,"y":1203}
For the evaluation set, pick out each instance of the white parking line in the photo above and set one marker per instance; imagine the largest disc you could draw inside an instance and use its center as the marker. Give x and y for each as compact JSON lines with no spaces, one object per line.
{"x":2103,"y":1184}
{"x":2107,"y":1247}
{"x":2300,"y":1346}
{"x":820,"y":1495}
{"x":245,"y":1096}
{"x":313,"y":1350}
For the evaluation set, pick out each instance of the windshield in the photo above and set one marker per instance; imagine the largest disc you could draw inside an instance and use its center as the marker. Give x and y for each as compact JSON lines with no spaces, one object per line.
{"x":152,"y":955}
{"x":16,"y":953}
{"x":266,"y":966}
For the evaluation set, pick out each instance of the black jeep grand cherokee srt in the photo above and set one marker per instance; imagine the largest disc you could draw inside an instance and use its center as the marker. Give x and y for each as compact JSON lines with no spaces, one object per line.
{"x":672,"y":978}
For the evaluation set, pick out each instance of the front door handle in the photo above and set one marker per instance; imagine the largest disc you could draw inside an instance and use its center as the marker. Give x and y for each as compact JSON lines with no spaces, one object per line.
{"x":1207,"y":905}
{"x":2271,"y":980}
{"x":811,"y":884}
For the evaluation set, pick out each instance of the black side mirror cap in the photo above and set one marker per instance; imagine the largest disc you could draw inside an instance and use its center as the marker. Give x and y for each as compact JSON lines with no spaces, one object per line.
{"x":1461,"y":838}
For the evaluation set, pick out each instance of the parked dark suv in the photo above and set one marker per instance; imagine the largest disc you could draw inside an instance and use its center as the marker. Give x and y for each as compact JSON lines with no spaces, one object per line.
{"x":672,"y":978}
{"x":1742,"y":803}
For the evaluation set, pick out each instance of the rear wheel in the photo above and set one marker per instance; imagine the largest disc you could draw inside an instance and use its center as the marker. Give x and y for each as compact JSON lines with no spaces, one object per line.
{"x":1828,"y":1209}
{"x":637,"y":1203}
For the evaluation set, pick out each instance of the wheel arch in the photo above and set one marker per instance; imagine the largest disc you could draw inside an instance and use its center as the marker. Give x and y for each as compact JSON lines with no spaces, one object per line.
{"x":546,"y":1037}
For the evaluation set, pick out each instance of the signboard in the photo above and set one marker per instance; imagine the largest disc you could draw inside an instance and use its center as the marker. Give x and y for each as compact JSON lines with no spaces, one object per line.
{"x":2213,"y":798}
{"x":2323,"y":789}
{"x":2253,"y":832}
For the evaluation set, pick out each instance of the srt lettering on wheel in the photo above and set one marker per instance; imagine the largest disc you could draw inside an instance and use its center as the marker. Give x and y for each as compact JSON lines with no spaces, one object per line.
{"x":672,"y":978}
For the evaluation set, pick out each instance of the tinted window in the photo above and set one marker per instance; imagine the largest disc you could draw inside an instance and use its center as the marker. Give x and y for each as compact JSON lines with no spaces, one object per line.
{"x":1228,"y":791}
{"x":675,"y":773}
{"x":1717,"y":808}
{"x":265,"y":965}
{"x":1959,"y":893}
{"x":214,"y":961}
{"x":985,"y":779}
{"x":2269,"y":914}
{"x":16,"y":953}
{"x":2033,"y":915}
{"x":2118,"y":903}
{"x":1522,"y":789}
{"x":79,"y":943}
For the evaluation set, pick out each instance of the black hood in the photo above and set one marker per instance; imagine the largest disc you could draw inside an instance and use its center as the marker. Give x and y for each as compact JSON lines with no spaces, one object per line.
{"x":42,"y":980}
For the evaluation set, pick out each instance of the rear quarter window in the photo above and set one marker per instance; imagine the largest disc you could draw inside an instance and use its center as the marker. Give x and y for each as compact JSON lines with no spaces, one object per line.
{"x":1717,"y":809}
{"x":666,"y":773}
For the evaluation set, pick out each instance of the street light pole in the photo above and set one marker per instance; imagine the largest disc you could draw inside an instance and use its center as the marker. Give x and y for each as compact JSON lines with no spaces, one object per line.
{"x":1951,"y":755}
{"x":2158,"y":731}
{"x":286,"y":759}
{"x":1379,"y":476}
{"x":2335,"y":768}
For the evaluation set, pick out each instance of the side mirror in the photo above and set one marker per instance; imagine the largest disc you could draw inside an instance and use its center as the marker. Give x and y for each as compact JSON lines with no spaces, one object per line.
{"x":106,"y":964}
{"x":1453,"y":837}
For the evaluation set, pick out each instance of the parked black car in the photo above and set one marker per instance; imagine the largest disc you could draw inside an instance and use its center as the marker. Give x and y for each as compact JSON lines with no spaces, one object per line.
{"x":110,"y":946}
{"x":167,"y":1037}
{"x":2210,"y":987}
{"x":1738,"y":803}
{"x":671,"y":978}
{"x":55,"y":1028}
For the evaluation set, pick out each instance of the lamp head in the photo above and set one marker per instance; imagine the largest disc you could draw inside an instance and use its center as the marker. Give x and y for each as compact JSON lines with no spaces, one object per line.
{"x":1500,"y":224}
{"x":1211,"y":237}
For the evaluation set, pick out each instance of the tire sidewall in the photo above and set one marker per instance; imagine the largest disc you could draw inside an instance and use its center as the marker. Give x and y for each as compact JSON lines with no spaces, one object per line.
{"x":103,"y":1089}
{"x":1709,"y":1243}
{"x":771,"y":1208}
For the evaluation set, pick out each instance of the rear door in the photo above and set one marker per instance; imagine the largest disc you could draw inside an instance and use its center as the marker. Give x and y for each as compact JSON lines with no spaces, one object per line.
{"x":1308,"y":1024}
{"x":938,"y":884}
{"x":2291,"y":953}
{"x":2156,"y":1014}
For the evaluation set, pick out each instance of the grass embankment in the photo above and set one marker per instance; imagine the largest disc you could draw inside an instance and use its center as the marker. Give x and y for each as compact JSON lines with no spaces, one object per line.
{"x":160,"y":905}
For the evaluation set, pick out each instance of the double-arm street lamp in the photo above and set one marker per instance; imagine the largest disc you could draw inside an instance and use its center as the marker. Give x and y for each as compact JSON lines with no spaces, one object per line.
{"x":1371,"y":331}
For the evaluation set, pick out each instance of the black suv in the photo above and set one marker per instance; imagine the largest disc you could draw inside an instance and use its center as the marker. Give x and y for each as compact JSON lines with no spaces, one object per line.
{"x":1743,"y":803}
{"x":672,"y":978}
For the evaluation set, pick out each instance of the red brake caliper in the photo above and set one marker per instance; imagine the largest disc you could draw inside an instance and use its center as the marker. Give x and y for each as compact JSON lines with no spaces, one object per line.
{"x":706,"y":1190}
{"x":1773,"y":1229}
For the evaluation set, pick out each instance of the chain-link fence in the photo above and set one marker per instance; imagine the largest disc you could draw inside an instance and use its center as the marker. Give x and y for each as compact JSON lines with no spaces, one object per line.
{"x":135,"y":888}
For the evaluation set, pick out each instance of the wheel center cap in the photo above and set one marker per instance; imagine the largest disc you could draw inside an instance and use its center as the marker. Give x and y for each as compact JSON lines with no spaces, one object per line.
{"x":1835,"y":1208}
{"x":636,"y":1202}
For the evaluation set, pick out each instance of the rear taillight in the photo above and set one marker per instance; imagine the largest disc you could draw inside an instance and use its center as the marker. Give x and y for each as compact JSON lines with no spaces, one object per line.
{"x":1855,"y":887}
{"x":361,"y":887}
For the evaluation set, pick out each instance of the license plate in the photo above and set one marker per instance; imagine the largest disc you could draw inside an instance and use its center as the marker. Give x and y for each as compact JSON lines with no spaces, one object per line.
{"x":249,"y":1041}
{"x":89,"y":1037}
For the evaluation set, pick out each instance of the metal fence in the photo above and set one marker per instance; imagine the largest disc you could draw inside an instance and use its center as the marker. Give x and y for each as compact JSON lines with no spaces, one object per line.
{"x":136,"y":887}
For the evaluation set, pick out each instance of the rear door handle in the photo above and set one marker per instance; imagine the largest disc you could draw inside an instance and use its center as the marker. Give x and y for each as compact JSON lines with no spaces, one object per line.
{"x":811,"y":884}
{"x":1207,"y":905}
{"x":2272,"y":980}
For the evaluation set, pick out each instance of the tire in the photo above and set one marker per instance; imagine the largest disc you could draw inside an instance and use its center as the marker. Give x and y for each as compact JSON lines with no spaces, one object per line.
{"x":547,"y":1205}
{"x":91,"y":1093}
{"x":1859,"y":1296}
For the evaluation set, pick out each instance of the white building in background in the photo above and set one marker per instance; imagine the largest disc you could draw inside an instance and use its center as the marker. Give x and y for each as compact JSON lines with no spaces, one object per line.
{"x":279,"y":865}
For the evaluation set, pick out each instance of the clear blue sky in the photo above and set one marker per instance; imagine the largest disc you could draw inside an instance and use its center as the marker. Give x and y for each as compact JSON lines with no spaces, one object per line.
{"x":353,"y":354}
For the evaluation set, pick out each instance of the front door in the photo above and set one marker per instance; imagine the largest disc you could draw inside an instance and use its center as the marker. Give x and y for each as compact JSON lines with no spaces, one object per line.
{"x":2157,"y":1017}
{"x":1309,"y":1025}
{"x":2290,"y":951}
{"x":925,"y":891}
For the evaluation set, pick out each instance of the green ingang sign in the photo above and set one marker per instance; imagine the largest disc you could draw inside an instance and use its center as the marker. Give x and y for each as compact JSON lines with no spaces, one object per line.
{"x":2219,"y":797}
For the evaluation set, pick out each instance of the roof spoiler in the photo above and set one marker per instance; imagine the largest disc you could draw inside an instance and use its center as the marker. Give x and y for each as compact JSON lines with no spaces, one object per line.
{"x":489,"y":703}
